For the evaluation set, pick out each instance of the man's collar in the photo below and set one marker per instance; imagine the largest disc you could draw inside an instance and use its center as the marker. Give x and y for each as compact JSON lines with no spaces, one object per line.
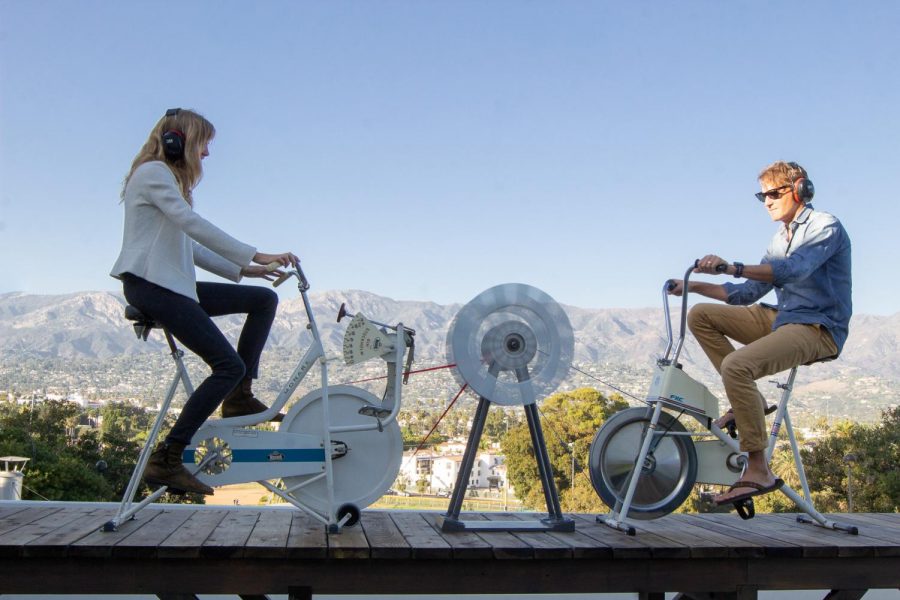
{"x":804,"y":214}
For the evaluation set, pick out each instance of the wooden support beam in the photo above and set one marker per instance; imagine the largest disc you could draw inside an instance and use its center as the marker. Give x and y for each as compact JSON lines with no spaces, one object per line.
{"x":300,"y":593}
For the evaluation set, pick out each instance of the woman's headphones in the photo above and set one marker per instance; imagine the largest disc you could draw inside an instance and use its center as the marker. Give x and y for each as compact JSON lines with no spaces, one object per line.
{"x":173,"y":139}
{"x":802,"y":187}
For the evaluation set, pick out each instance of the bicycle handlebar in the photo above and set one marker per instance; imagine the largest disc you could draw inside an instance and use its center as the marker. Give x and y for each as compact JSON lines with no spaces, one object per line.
{"x":668,"y":287}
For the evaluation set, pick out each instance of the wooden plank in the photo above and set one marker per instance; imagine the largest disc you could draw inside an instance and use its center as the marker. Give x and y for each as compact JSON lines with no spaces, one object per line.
{"x":465,"y":544}
{"x":270,"y":535}
{"x":229,"y":536}
{"x":12,"y":542}
{"x":504,"y":545}
{"x":893,"y":519}
{"x":385,"y":538}
{"x":543,"y":545}
{"x":848,"y":545}
{"x":23,"y":517}
{"x":868,"y":521}
{"x":770,"y":546}
{"x":643,"y":545}
{"x":143,"y":543}
{"x":703,"y":542}
{"x":56,"y":543}
{"x":351,"y":542}
{"x":185,"y":542}
{"x":423,"y":539}
{"x":812,"y":545}
{"x":99,"y":544}
{"x":11,"y":508}
{"x":307,"y":538}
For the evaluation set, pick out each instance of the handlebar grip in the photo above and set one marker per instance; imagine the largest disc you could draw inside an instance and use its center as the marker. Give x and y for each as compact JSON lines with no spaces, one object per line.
{"x":670,"y":285}
{"x":272,"y":266}
{"x":719,"y":268}
{"x":284,"y":277}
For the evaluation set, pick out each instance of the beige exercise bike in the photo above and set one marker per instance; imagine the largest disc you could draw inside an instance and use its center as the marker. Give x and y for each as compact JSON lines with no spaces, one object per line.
{"x":671,"y":458}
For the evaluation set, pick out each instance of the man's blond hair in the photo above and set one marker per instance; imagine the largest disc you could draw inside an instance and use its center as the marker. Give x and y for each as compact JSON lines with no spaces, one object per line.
{"x":782,"y":173}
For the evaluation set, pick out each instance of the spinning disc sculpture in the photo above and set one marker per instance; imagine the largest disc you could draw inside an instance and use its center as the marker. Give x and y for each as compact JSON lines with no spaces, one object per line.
{"x":511,"y":345}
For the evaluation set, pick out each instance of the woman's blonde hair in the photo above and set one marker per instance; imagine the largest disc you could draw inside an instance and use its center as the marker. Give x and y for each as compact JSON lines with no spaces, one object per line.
{"x":196,"y":132}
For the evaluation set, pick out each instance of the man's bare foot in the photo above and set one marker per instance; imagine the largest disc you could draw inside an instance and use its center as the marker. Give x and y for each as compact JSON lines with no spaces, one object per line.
{"x":751,"y":483}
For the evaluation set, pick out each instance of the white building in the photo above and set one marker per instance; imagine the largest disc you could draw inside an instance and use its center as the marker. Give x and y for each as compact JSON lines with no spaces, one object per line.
{"x":437,"y":473}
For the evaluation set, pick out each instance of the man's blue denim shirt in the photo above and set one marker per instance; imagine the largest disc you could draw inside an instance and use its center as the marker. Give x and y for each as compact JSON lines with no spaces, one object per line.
{"x":812,"y":275}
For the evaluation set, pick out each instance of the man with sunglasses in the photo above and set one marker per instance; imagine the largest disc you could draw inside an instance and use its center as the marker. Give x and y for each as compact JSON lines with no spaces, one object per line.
{"x":807,"y":263}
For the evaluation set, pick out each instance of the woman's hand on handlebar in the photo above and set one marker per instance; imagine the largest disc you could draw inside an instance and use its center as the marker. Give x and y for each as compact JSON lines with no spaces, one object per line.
{"x":675,"y":287}
{"x":285,"y":259}
{"x":269,"y":272}
{"x":711,"y":265}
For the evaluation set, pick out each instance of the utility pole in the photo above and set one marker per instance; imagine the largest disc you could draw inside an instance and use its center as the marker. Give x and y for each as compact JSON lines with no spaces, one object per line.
{"x":849,"y":459}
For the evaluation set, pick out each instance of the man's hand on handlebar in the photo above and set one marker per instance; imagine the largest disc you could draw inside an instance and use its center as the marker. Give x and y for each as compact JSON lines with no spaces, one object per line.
{"x":711,"y":265}
{"x":675,"y":287}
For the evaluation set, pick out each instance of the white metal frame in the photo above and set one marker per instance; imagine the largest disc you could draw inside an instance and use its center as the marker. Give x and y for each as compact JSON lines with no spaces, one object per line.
{"x":334,"y":517}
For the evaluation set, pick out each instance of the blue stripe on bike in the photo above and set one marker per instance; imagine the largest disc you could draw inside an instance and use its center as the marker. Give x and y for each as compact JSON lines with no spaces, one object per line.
{"x":266,"y":455}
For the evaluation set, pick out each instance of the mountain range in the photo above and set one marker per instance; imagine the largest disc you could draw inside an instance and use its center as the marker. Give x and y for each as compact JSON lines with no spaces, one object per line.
{"x":90,"y":326}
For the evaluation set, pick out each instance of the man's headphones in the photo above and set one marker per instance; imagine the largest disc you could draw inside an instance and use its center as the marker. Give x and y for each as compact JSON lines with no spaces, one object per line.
{"x":173,"y":139}
{"x":802,"y":187}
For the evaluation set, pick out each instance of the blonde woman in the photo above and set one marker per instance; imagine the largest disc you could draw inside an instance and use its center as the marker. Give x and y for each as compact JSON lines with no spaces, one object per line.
{"x":163,"y":239}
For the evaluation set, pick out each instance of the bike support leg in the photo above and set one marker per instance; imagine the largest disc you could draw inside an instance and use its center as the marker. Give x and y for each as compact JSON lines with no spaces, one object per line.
{"x":616,"y":519}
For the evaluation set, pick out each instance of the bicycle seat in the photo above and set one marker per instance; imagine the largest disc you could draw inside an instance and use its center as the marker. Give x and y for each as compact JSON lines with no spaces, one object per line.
{"x":142,"y":323}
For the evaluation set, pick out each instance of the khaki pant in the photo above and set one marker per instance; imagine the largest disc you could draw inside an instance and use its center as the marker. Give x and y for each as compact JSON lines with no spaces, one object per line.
{"x":764,"y":352}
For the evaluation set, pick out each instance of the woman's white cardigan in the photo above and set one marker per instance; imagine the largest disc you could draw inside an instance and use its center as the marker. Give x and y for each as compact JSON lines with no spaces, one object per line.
{"x":164,"y":238}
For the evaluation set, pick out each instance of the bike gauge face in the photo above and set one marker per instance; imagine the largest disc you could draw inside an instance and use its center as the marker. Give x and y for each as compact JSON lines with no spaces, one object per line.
{"x":512,"y":344}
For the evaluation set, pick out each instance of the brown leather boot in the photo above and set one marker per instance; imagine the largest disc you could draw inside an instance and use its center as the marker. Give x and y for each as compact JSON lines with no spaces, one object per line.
{"x":165,"y":468}
{"x":241,"y":401}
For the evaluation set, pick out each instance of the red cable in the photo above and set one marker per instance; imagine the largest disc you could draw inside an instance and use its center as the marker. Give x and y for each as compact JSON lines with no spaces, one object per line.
{"x":405,"y":373}
{"x":443,"y":414}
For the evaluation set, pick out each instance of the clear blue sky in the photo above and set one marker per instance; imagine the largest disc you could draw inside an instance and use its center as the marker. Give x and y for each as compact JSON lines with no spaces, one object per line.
{"x":430,"y":150}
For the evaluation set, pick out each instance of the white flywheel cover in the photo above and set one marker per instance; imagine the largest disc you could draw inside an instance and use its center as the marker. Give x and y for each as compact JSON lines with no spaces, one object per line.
{"x":372,"y":461}
{"x":512,"y":344}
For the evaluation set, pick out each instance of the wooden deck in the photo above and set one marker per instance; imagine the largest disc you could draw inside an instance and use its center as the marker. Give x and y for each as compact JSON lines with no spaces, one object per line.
{"x":57,"y":548}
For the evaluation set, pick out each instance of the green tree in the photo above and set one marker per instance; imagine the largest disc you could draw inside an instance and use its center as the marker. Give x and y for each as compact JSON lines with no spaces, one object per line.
{"x":875,"y":452}
{"x":69,"y":461}
{"x":569,"y":421}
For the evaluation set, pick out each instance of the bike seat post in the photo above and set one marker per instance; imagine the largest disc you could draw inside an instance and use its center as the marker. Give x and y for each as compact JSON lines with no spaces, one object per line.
{"x":142,"y":326}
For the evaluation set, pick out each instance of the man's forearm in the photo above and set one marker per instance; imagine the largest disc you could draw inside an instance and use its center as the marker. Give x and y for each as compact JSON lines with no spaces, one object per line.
{"x":710,"y":290}
{"x":755,"y":272}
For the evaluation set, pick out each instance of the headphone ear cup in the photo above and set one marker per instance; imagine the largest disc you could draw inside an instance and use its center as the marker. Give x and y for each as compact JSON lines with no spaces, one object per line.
{"x":173,"y":144}
{"x":803,"y":190}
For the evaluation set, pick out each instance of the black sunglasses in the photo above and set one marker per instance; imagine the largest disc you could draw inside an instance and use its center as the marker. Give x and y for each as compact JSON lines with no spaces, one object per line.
{"x":774,"y":193}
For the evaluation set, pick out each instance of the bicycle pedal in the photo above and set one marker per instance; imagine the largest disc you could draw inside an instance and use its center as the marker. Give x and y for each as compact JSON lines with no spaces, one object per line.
{"x":374,"y":411}
{"x":745,"y":508}
{"x":732,"y":430}
{"x":338,"y":449}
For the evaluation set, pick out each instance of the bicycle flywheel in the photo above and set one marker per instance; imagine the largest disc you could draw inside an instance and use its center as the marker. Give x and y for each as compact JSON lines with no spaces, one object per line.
{"x":667,"y":475}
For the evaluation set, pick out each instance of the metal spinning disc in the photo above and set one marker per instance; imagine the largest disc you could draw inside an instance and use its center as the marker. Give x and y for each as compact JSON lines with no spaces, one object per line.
{"x":511,"y":344}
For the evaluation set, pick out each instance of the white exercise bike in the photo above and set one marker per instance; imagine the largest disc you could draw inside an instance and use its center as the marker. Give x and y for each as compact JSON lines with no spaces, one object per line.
{"x":337,"y":450}
{"x":671,"y":459}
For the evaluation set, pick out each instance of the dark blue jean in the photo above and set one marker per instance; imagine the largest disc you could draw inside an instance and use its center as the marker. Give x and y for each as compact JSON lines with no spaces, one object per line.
{"x":190,"y":323}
